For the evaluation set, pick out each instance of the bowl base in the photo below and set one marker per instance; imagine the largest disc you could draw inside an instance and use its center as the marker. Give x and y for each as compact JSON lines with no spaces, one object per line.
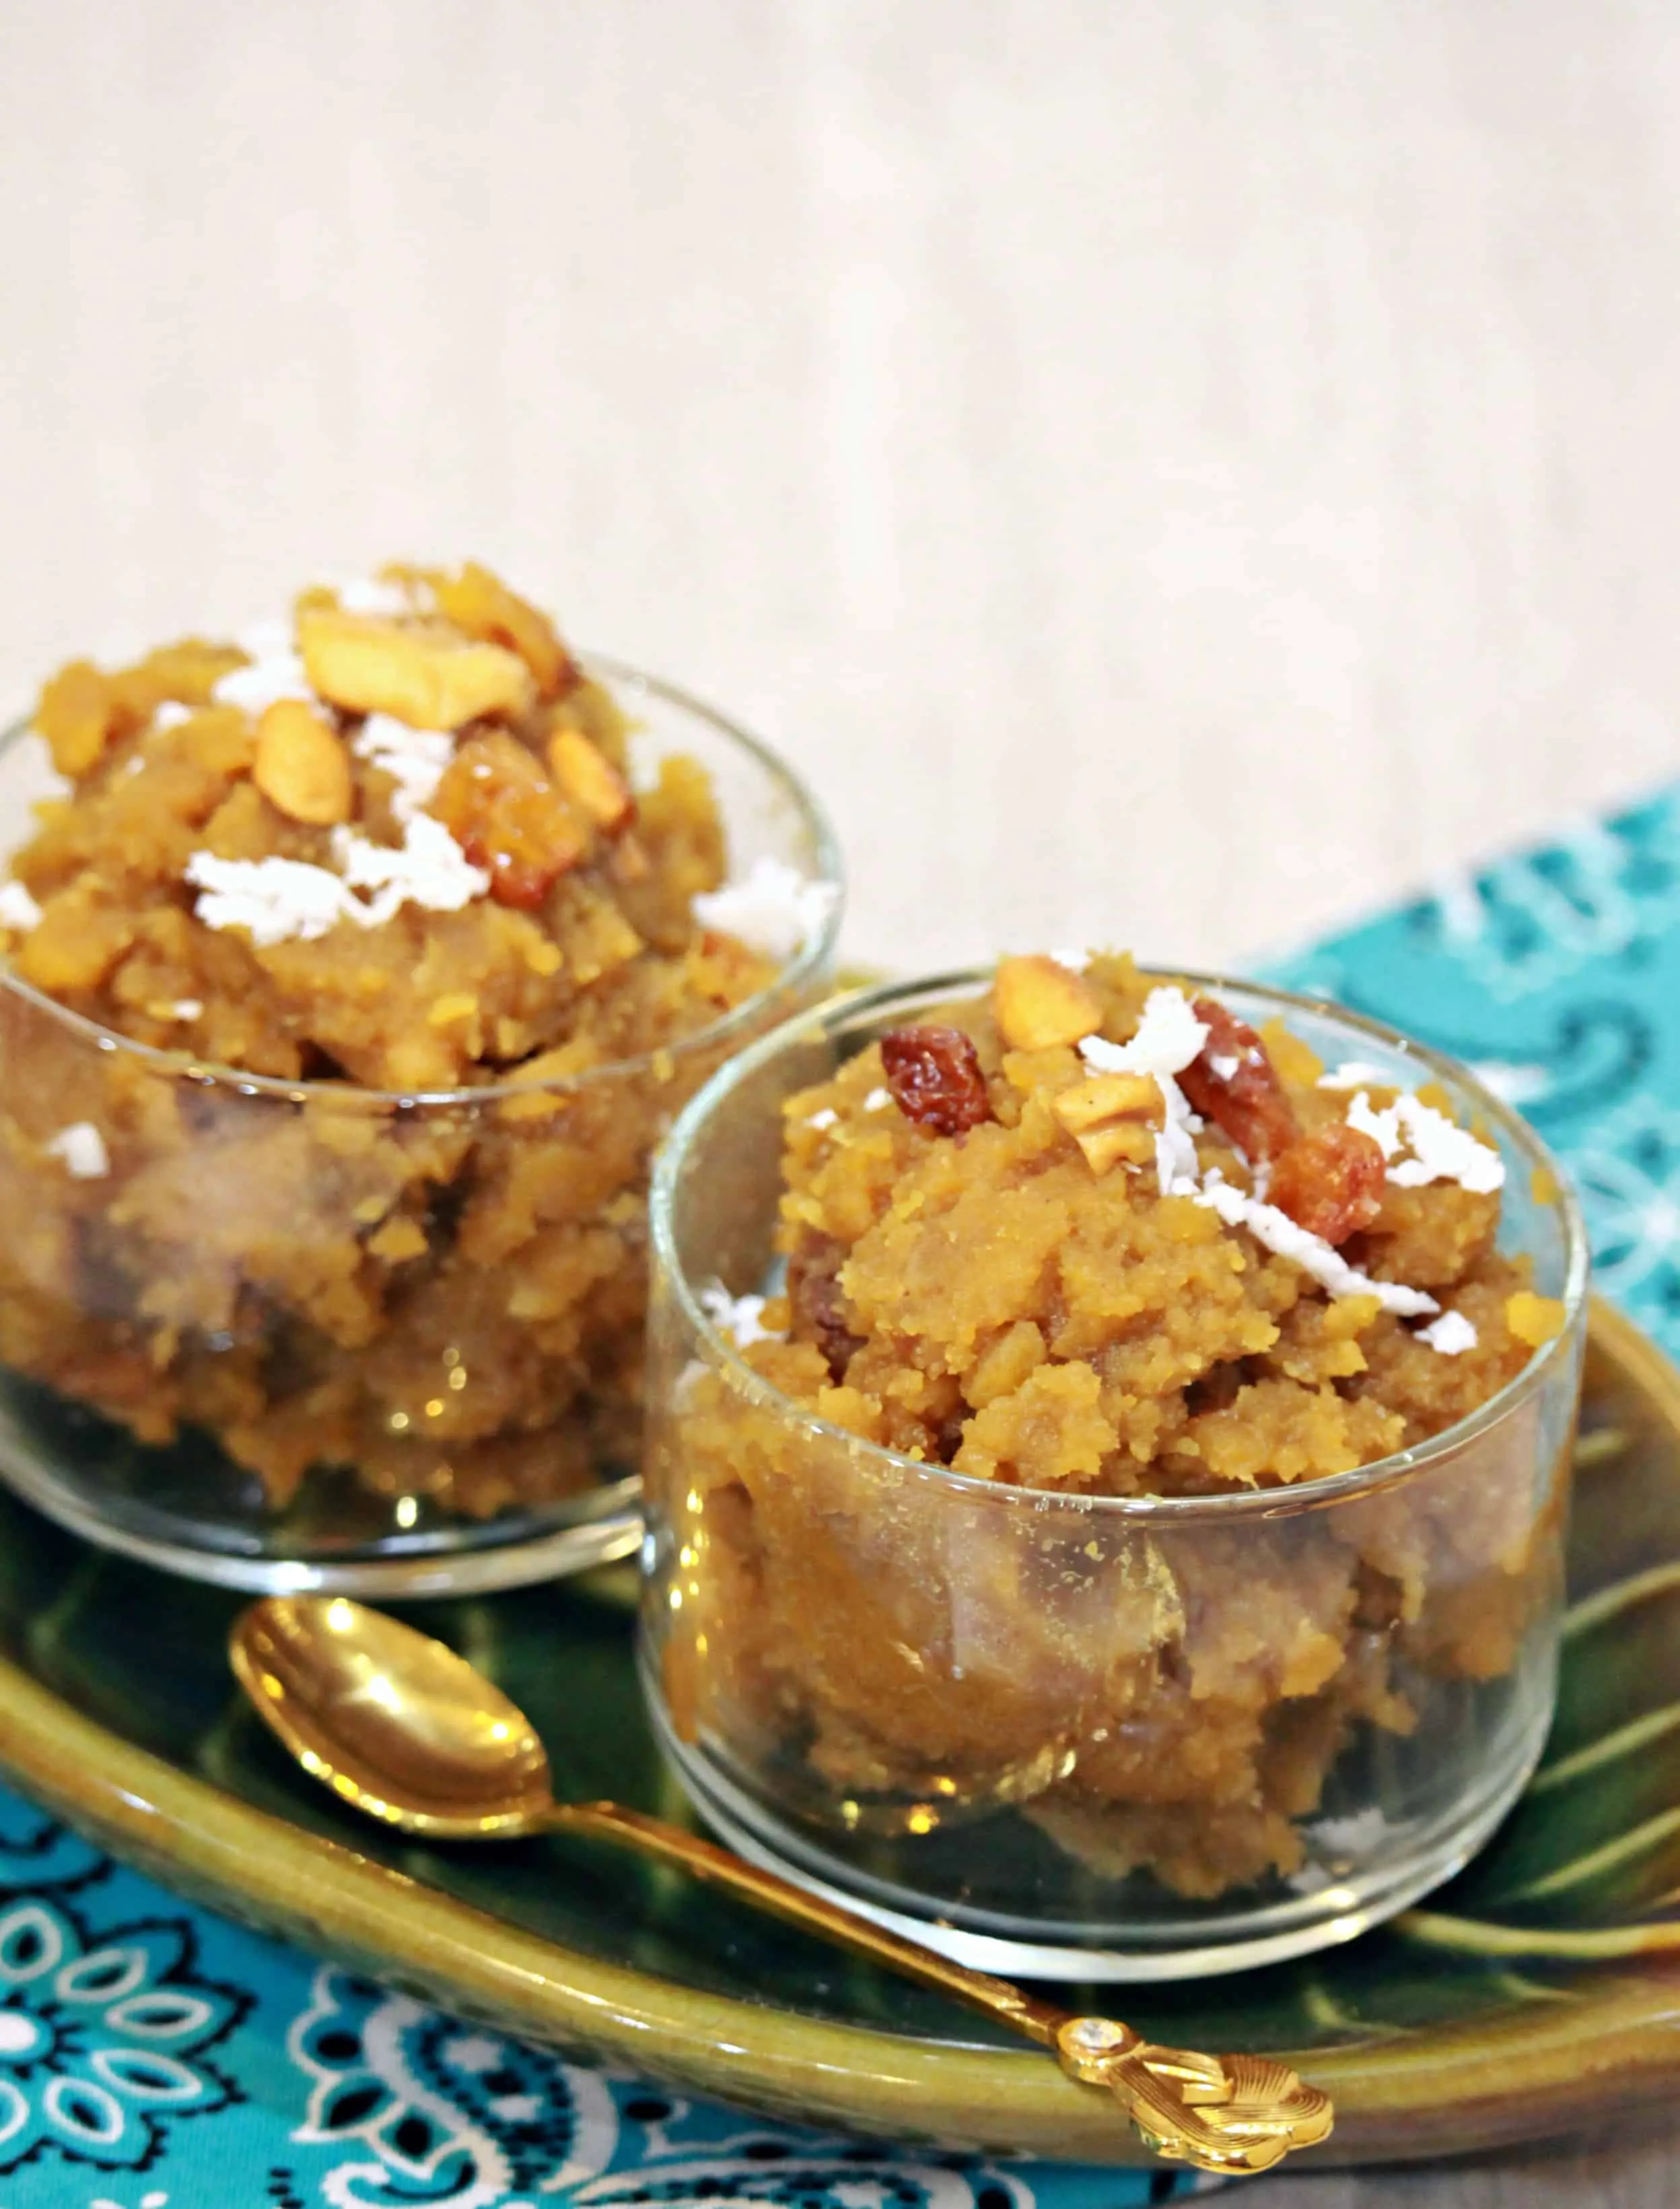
{"x":987,"y":1942}
{"x":193,"y":1513}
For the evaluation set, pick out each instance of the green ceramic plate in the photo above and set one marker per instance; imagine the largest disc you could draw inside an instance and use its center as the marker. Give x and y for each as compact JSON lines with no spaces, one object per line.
{"x":1543,"y":1988}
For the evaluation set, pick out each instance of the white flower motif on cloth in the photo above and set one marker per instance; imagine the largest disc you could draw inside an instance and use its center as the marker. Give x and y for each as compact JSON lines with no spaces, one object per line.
{"x":417,"y":2108}
{"x":1627,"y":1172}
{"x":835,"y":2174}
{"x":445,"y":2114}
{"x":1527,"y":923}
{"x":105,"y":2038}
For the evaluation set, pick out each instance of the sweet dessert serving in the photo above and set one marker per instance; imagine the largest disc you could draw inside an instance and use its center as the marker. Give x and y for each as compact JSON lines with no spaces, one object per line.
{"x":1109,"y":1460}
{"x":352,"y":970}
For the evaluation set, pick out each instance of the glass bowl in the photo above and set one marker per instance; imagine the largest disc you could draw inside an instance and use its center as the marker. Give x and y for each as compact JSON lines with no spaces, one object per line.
{"x":980,"y":1712}
{"x":236,"y":1290}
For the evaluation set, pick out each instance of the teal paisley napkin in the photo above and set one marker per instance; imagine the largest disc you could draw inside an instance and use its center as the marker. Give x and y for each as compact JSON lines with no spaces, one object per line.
{"x":1556,"y":974}
{"x":154,"y":2056}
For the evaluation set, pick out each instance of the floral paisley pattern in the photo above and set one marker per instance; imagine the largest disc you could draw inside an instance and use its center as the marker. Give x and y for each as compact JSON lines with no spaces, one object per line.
{"x":103,"y":2043}
{"x":105,"y":2035}
{"x":1628,"y":1176}
{"x":419,"y":2109}
{"x":128,"y":2020}
{"x":1526,"y":923}
{"x":441,"y":2113}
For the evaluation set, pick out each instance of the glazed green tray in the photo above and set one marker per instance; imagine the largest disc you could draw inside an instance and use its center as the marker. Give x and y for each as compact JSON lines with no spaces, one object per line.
{"x":1540,"y":1989}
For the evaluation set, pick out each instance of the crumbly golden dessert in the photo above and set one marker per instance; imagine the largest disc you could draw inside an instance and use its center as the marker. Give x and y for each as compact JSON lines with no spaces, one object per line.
{"x":1095,"y":1236}
{"x":388,"y":850}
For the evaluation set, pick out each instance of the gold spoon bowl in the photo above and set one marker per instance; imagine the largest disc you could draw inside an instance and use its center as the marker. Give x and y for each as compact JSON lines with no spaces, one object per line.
{"x":403,"y":1729}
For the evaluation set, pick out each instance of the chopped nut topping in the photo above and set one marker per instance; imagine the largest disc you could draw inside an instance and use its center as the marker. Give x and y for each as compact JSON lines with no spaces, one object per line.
{"x":302,"y":766}
{"x":1331,"y":1182}
{"x":429,"y":680}
{"x":934,"y":1075}
{"x":1234,"y":1084}
{"x":1112,"y":1117}
{"x":508,"y":818}
{"x":483,"y":605}
{"x":589,"y":779}
{"x":1039,"y":1004}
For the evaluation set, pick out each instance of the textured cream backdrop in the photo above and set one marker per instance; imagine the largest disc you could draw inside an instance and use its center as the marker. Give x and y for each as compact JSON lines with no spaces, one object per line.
{"x":1174,"y":472}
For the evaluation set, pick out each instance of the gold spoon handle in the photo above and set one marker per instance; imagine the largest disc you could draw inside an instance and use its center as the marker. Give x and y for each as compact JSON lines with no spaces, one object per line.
{"x":1233,"y":2114}
{"x":1038,"y":2020}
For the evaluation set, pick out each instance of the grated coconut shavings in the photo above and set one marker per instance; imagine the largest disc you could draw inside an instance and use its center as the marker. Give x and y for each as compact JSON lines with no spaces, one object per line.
{"x":741,"y":1318}
{"x":286,"y":900}
{"x":1441,"y":1149}
{"x":18,"y":909}
{"x":1168,"y":1037}
{"x":1277,"y":1232}
{"x":413,"y":758}
{"x":378,"y":598}
{"x":267,"y":680}
{"x":81,"y":1147}
{"x":774,"y":909}
{"x":1452,"y":1334}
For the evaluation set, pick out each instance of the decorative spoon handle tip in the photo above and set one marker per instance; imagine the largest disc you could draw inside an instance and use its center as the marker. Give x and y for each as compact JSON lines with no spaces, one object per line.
{"x":1234,"y":2115}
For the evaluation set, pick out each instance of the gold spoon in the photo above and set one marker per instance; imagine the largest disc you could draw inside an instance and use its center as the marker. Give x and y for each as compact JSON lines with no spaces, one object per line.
{"x":400,"y":1726}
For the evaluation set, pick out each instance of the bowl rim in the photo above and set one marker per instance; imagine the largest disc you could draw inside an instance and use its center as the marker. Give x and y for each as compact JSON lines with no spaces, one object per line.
{"x":811,"y":960}
{"x":1317,"y":1494}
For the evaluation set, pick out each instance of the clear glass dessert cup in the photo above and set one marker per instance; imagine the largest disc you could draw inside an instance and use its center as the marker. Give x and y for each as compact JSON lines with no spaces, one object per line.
{"x":283,"y":1335}
{"x":1090,"y":1736}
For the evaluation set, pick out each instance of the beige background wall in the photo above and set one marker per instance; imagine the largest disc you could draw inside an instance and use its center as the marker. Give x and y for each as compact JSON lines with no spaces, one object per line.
{"x":1173,"y":471}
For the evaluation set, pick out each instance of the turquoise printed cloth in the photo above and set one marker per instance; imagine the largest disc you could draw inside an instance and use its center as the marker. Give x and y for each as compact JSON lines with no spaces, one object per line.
{"x":154,"y":2056}
{"x":1556,"y":975}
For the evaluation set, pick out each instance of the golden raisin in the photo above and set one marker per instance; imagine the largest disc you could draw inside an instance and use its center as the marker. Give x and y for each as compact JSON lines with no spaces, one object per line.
{"x":1331,"y":1182}
{"x":589,"y":779}
{"x":1234,"y":1084}
{"x":934,"y":1074}
{"x":508,"y":817}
